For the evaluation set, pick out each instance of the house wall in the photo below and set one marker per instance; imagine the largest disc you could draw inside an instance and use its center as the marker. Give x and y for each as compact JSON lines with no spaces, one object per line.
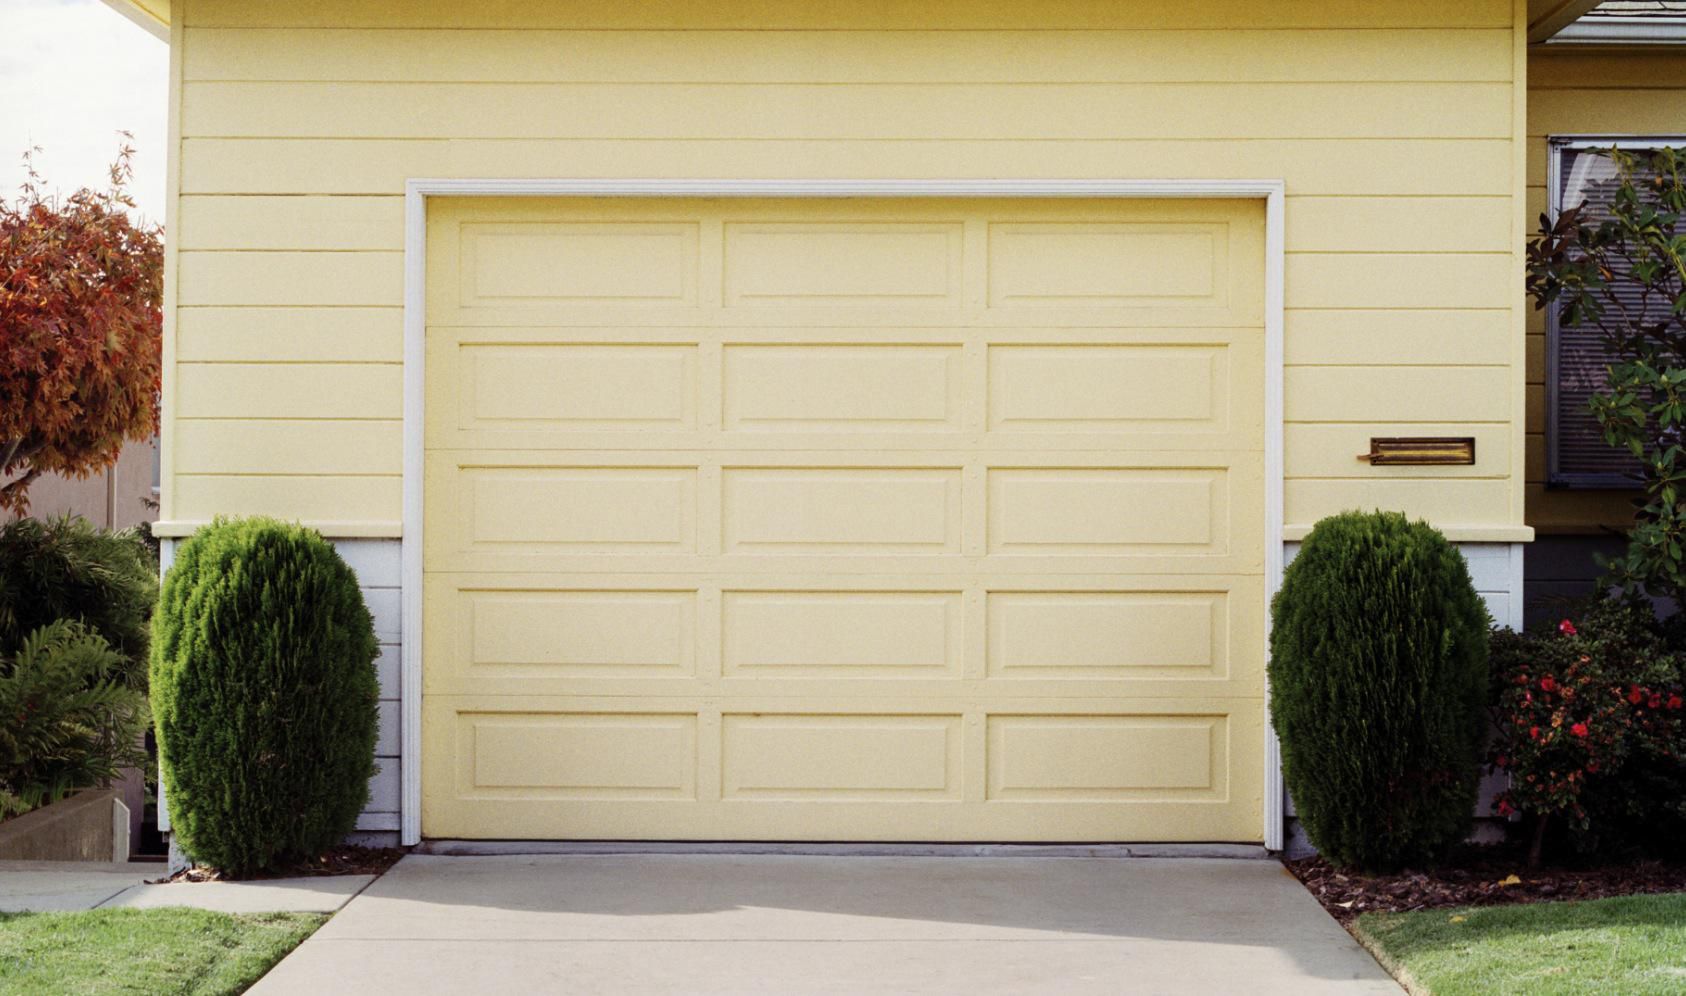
{"x":1574,"y":90}
{"x":1395,"y":126}
{"x":299,"y":123}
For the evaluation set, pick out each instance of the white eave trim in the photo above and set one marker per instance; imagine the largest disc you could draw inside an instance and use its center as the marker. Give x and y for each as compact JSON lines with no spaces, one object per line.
{"x":148,"y":21}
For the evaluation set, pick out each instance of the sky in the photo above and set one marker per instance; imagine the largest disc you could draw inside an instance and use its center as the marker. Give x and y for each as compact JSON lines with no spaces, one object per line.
{"x":74,"y":73}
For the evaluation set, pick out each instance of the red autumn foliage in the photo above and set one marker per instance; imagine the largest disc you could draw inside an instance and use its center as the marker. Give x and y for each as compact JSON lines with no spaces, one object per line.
{"x":81,"y":288}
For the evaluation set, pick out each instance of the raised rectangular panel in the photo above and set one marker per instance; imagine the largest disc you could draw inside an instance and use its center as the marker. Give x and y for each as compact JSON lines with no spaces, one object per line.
{"x":1107,"y":758}
{"x":579,"y":634}
{"x":801,"y":634}
{"x":843,"y":263}
{"x":1068,"y":510}
{"x":631,"y":263}
{"x":585,"y":387}
{"x":841,"y":388}
{"x":1108,"y":634}
{"x":833,"y":758}
{"x":1108,"y":388}
{"x":584,"y":756}
{"x":1084,"y":263}
{"x":847,"y":510}
{"x":587,"y":509}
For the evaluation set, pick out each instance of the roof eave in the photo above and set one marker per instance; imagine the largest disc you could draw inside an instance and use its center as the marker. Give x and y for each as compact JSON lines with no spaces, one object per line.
{"x":1548,"y":17}
{"x":152,"y":15}
{"x":1623,"y":31}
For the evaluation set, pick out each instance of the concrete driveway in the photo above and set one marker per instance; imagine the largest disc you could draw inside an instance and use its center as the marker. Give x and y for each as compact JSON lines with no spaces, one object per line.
{"x":720,"y":923}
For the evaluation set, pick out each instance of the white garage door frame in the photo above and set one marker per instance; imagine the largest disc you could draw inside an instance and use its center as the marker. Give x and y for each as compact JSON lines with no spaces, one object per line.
{"x":418,"y":191}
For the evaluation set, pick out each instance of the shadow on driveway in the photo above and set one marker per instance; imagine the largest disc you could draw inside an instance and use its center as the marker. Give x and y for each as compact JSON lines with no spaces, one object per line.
{"x":778,"y":923}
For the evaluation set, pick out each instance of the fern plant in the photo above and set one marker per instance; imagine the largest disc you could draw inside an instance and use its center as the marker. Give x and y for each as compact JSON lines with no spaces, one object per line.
{"x":66,"y":568}
{"x":71,"y":718}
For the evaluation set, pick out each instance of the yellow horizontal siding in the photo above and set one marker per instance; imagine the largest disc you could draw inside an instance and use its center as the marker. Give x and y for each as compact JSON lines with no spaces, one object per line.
{"x":1399,"y":224}
{"x":289,"y":390}
{"x":1578,"y":93}
{"x":781,"y":111}
{"x":898,"y":56}
{"x":291,"y":223}
{"x":350,"y":499}
{"x":1396,"y":280}
{"x":1397,"y":394}
{"x":1439,"y":500}
{"x":1397,"y":167}
{"x":302,"y":122}
{"x":1416,"y":336}
{"x":325,"y":335}
{"x":292,"y":447}
{"x":847,"y":14}
{"x":290,"y":278}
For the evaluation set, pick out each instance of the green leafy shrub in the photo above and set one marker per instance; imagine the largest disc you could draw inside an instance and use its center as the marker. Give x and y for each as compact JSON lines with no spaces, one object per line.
{"x":1378,"y":672}
{"x":1618,"y":270}
{"x":264,"y":692}
{"x":68,"y":569}
{"x":1591,"y":723}
{"x":71,"y":720}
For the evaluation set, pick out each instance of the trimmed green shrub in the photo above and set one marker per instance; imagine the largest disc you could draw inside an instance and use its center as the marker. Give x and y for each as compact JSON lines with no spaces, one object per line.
{"x":264,"y":692}
{"x":67,"y":568}
{"x":71,"y":720}
{"x":1378,"y":673}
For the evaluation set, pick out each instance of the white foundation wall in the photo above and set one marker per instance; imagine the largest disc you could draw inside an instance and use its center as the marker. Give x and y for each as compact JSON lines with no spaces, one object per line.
{"x":377,"y":565}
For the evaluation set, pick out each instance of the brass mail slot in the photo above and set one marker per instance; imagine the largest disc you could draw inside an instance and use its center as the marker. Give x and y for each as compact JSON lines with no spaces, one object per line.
{"x":1420,"y":451}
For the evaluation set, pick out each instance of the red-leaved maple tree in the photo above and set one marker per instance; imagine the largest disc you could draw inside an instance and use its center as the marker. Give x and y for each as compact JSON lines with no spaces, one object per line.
{"x":81,"y":287}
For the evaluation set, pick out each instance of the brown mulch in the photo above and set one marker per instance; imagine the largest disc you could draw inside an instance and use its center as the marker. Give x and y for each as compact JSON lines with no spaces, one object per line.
{"x":1480,"y":877}
{"x":347,"y":859}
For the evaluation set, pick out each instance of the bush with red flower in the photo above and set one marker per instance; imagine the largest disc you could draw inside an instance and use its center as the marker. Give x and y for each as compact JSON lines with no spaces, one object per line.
{"x":1590,"y":724}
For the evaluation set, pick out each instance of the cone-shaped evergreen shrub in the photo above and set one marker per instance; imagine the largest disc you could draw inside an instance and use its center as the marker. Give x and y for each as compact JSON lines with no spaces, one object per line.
{"x":264,"y":692}
{"x":1378,"y":676}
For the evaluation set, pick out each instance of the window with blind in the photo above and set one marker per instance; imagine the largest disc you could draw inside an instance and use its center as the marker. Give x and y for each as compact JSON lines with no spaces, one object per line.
{"x":1576,"y":454}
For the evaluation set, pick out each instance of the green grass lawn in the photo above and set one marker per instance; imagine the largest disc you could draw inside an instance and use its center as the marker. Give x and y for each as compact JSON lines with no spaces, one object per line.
{"x":152,"y":951}
{"x":1635,"y":944}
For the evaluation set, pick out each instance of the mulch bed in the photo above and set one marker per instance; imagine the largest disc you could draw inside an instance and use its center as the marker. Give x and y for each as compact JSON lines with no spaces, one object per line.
{"x":1488,"y":876}
{"x":348,"y":859}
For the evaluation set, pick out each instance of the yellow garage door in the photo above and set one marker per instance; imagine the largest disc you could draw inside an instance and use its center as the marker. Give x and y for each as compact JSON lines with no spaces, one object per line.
{"x":884,"y":519}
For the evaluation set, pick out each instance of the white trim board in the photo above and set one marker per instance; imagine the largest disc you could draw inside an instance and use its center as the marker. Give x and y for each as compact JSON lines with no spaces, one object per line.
{"x":417,"y":191}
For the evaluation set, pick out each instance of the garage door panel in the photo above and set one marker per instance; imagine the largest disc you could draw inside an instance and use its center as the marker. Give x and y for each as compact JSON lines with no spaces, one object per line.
{"x":840,"y":263}
{"x":493,"y":393}
{"x":1104,"y":769}
{"x":841,"y":634}
{"x":1076,"y":512}
{"x":576,"y":756}
{"x":841,"y":510}
{"x":575,"y":387}
{"x":830,"y":388}
{"x":807,"y":636}
{"x":854,"y":520}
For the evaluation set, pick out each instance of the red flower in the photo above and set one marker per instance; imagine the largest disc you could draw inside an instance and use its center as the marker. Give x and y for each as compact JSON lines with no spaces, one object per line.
{"x":1579,"y":729}
{"x":1635,"y":696}
{"x":1533,"y":733}
{"x":1505,"y":808}
{"x":1548,"y":683}
{"x":1656,"y":702}
{"x":1567,"y":628}
{"x":1592,"y":767}
{"x":1675,"y":702}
